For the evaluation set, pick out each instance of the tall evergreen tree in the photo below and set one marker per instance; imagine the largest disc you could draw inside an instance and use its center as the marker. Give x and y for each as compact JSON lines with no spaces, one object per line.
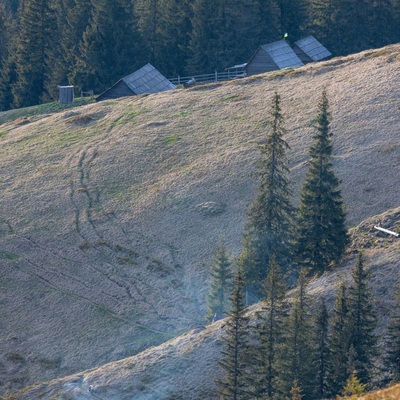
{"x":271,"y":329}
{"x":353,"y":29}
{"x":223,"y":34}
{"x":73,"y":19}
{"x":234,"y":361}
{"x":321,"y":351}
{"x":269,"y":227}
{"x":321,"y":233}
{"x":339,"y":343}
{"x":149,"y":14}
{"x":392,"y":343}
{"x":173,"y":28}
{"x":221,"y":277}
{"x":320,"y":22}
{"x":363,"y":322}
{"x":382,"y":23}
{"x":293,"y":17}
{"x":3,"y":35}
{"x":110,"y":48}
{"x":270,"y":21}
{"x":296,"y":363}
{"x":32,"y":58}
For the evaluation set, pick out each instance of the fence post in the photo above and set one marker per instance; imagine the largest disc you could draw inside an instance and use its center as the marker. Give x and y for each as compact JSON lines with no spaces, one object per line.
{"x":179,"y":80}
{"x":216,"y":76}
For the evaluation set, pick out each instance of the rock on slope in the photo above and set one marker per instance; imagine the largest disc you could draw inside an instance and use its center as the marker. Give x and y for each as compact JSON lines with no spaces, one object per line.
{"x":109,"y":213}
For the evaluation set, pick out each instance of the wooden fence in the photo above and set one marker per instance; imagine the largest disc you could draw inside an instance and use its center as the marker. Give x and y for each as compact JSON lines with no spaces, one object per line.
{"x":208,"y":78}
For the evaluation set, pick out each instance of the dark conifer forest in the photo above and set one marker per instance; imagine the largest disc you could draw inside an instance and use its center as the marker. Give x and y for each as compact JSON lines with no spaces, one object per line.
{"x":92,"y":43}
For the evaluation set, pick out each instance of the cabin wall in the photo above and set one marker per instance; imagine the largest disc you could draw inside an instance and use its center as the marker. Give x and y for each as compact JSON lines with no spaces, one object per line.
{"x":120,"y":89}
{"x":261,"y":62}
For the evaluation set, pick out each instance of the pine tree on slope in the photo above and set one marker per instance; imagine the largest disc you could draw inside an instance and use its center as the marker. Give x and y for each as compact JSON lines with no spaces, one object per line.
{"x":269,"y":226}
{"x":321,"y":231}
{"x":111,"y":47}
{"x":234,"y":361}
{"x":295,"y":357}
{"x":270,"y":327}
{"x":221,"y":277}
{"x":32,"y":57}
{"x":321,"y":325}
{"x":363,"y":322}
{"x":339,"y":343}
{"x":392,"y":345}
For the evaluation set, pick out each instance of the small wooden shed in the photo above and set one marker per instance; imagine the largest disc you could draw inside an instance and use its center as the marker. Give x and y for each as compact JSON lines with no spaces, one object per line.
{"x":65,"y":94}
{"x":145,"y":80}
{"x":310,"y":49}
{"x":271,"y":57}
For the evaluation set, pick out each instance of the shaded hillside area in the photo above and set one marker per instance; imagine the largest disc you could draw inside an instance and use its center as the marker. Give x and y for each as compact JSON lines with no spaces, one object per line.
{"x":110,"y":212}
{"x":186,"y":367}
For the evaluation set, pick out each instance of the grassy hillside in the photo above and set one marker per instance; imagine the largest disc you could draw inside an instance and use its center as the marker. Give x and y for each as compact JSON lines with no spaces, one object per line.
{"x":110,"y":212}
{"x":186,"y":367}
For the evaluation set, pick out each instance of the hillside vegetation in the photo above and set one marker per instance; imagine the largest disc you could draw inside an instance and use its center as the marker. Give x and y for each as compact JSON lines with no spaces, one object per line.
{"x":110,"y":213}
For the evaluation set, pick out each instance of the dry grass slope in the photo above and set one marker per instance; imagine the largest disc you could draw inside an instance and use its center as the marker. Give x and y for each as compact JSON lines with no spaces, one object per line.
{"x":110,"y":212}
{"x":392,"y":393}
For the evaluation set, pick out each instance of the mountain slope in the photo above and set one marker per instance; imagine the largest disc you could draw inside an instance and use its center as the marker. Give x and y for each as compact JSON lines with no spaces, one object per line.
{"x":110,"y":212}
{"x":186,"y":367}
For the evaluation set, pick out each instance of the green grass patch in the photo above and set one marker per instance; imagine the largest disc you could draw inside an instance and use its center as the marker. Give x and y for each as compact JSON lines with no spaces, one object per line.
{"x":47,"y":108}
{"x":233,"y":98}
{"x":3,"y":133}
{"x":129,"y":116}
{"x":183,"y":113}
{"x":8,"y":256}
{"x":171,"y":139}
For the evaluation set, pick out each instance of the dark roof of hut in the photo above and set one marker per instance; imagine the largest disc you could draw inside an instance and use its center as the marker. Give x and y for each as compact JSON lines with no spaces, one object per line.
{"x":282,"y":54}
{"x":147,"y":80}
{"x":312,"y":48}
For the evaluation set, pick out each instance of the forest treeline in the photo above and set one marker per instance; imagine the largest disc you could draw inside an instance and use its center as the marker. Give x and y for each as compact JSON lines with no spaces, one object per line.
{"x":93,"y":43}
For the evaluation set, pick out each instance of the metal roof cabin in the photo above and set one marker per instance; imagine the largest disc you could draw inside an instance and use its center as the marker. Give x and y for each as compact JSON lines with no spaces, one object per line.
{"x":143,"y":81}
{"x":271,"y":57}
{"x":310,"y":49}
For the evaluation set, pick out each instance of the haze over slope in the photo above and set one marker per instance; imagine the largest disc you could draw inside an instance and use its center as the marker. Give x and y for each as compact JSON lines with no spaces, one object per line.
{"x":109,"y":213}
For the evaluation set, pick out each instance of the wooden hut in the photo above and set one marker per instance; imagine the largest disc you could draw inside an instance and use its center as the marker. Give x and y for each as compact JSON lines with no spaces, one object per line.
{"x":310,"y":49}
{"x":145,"y":80}
{"x":271,"y":57}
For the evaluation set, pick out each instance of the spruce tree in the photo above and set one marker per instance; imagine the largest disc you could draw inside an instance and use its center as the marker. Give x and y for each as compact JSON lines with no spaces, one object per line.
{"x":352,"y":26}
{"x":320,"y":14}
{"x":72,"y":23}
{"x":8,"y":75}
{"x":339,"y":343}
{"x":37,"y":29}
{"x":270,"y":22}
{"x":293,"y":17}
{"x":270,"y":327}
{"x":363,"y":322}
{"x":269,"y":227}
{"x":148,"y":14}
{"x":3,"y":35}
{"x":221,"y":277}
{"x":321,"y":350}
{"x":321,"y":230}
{"x":171,"y":54}
{"x":392,"y":343}
{"x":295,"y":391}
{"x":223,"y":33}
{"x":295,"y":359}
{"x":234,"y":361}
{"x":353,"y":386}
{"x":110,"y":48}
